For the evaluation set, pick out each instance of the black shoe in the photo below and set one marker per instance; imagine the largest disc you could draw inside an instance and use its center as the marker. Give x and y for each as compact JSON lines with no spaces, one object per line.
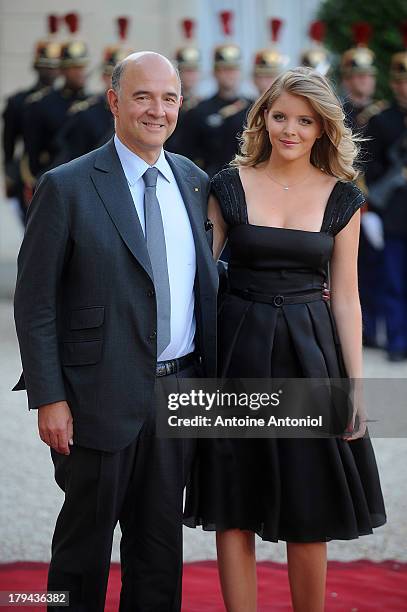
{"x":396,"y":356}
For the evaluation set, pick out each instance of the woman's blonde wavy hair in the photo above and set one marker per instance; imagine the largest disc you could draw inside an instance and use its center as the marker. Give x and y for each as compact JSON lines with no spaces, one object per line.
{"x":334,"y":152}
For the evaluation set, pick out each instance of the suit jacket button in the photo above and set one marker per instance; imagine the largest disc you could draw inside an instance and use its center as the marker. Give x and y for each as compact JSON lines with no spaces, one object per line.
{"x":153,"y":335}
{"x":151,"y":293}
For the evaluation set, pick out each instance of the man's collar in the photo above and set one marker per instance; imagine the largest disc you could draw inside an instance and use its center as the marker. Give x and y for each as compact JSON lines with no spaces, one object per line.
{"x":164,"y":167}
{"x":134,"y":166}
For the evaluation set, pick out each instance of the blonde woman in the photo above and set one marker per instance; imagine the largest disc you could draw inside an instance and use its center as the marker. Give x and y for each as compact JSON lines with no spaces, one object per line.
{"x":289,"y":210}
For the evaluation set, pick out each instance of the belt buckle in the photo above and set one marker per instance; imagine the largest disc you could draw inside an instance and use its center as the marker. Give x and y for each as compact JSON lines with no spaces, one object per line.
{"x":165,"y":368}
{"x":160,"y":369}
{"x":170,"y":367}
{"x":278,"y":300}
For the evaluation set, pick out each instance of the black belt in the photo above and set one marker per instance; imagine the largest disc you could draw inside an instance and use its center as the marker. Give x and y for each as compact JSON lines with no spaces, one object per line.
{"x":165,"y":368}
{"x":278,"y":300}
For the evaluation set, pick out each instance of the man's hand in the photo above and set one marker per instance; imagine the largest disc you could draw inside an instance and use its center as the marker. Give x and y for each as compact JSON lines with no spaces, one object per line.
{"x":55,"y":425}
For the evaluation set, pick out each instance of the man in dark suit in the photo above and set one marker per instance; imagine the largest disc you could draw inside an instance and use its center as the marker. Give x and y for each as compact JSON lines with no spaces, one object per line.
{"x":101,"y":310}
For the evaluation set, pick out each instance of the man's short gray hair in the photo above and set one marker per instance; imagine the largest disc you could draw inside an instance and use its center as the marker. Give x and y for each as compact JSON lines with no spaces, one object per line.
{"x":117,"y":75}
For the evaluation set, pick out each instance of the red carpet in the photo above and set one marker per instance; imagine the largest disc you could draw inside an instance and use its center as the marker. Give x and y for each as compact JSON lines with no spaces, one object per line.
{"x":358,"y":586}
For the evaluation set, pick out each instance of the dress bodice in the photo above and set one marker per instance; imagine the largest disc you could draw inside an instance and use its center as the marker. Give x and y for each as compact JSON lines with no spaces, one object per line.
{"x":273,"y":259}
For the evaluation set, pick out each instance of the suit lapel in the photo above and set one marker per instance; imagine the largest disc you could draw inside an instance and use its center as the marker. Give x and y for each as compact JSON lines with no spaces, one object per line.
{"x":111,"y":184}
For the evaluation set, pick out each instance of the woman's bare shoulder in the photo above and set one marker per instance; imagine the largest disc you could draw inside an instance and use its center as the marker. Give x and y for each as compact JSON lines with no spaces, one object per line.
{"x":324,"y":179}
{"x":250,"y":172}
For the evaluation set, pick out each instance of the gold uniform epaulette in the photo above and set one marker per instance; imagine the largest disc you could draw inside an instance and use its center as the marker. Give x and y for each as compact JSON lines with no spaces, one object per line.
{"x":371,"y":110}
{"x":234,"y":108}
{"x":82,"y":105}
{"x":38,"y":95}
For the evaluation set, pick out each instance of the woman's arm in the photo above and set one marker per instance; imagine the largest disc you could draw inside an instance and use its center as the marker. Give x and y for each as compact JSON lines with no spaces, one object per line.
{"x":345,"y":302}
{"x":220,"y":228}
{"x":346,"y":309}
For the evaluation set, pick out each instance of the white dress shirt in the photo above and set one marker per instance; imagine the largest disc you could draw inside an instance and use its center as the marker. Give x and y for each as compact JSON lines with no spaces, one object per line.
{"x":181,"y":258}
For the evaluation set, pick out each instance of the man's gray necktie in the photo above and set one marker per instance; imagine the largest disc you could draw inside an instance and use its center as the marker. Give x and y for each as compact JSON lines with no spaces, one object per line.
{"x":158,"y":256}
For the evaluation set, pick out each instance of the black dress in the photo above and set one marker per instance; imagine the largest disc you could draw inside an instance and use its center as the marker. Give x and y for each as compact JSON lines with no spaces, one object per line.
{"x":302,"y":489}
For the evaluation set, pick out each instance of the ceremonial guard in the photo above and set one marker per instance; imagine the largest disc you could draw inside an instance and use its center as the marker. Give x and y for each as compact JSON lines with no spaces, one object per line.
{"x":89,"y":122}
{"x":212,"y":128}
{"x":45,"y":115}
{"x":358,"y":72}
{"x":46,"y":65}
{"x":188,"y":62}
{"x":316,"y":56}
{"x":386,"y":177}
{"x":269,"y":62}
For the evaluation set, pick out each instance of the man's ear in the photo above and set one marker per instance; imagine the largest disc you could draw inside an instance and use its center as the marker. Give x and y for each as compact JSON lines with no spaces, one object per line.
{"x":181,"y":100}
{"x":112,"y":98}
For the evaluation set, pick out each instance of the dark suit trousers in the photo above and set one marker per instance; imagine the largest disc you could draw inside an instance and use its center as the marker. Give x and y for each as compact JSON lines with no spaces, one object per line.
{"x":140,"y":486}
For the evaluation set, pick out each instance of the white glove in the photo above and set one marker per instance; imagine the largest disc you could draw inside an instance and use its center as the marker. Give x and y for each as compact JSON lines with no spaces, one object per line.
{"x":373,"y":227}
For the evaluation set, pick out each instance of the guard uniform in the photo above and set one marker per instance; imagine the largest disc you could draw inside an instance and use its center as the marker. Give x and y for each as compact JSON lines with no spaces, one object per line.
{"x":46,"y":64}
{"x":46,"y":113}
{"x":361,"y":60}
{"x":188,"y":62}
{"x":388,"y":133}
{"x":43,"y":119}
{"x":179,"y":142}
{"x":13,"y":144}
{"x":89,"y":123}
{"x":211,"y":130}
{"x":386,"y":175}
